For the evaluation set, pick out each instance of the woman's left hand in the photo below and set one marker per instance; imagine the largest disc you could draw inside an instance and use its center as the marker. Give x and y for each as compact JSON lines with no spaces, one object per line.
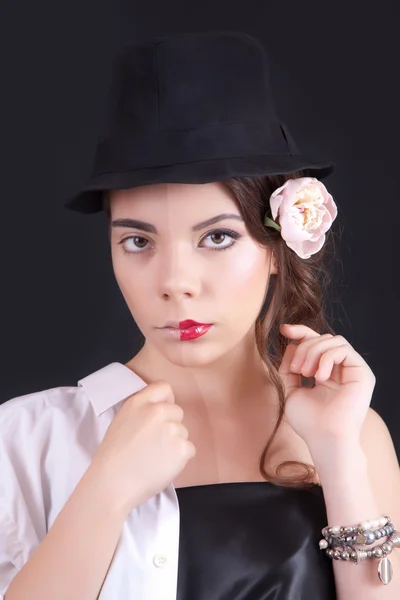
{"x":335,"y":408}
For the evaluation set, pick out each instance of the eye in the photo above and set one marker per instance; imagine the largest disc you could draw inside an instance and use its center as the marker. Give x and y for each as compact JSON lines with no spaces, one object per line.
{"x":141,"y":248}
{"x":134,"y":238}
{"x":224,"y":233}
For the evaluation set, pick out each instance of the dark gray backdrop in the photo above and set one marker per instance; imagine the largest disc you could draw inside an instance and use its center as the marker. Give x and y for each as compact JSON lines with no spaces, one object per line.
{"x":334,"y":74}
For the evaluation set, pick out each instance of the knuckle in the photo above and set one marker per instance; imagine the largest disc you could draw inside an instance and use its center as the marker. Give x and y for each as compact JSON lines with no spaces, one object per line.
{"x":161,"y":385}
{"x":164,"y":387}
{"x":159,"y":410}
{"x":172,"y":427}
{"x":191,"y":449}
{"x":164,"y":409}
{"x":157,"y":390}
{"x":179,"y":412}
{"x":180,"y":430}
{"x":183,"y":431}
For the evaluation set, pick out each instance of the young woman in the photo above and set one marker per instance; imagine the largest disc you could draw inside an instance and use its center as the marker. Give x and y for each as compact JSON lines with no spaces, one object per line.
{"x":235,"y":456}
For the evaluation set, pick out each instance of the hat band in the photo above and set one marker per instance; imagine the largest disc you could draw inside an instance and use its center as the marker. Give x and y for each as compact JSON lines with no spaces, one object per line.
{"x":234,"y":139}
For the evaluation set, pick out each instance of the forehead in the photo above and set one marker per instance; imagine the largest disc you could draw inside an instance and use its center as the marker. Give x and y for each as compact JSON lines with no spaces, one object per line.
{"x":182,"y":196}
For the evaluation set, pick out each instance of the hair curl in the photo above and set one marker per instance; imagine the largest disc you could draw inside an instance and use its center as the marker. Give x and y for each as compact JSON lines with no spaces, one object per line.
{"x":297,"y":294}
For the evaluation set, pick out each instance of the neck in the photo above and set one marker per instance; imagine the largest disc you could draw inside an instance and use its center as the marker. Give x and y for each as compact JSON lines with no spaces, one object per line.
{"x":227,"y":381}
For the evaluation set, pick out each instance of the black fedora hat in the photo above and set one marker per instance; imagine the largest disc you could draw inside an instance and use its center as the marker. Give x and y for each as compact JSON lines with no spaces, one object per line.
{"x":191,"y":108}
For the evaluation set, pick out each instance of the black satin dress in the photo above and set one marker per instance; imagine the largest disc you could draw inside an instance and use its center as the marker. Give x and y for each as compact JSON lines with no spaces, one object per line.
{"x":252,"y":541}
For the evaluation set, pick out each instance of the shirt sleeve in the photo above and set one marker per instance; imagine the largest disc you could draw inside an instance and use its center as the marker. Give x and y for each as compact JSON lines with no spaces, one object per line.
{"x":18,"y":506}
{"x":9,"y":551}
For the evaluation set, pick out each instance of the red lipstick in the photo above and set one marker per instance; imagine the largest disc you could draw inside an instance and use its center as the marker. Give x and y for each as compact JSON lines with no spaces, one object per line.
{"x":190,"y":323}
{"x":188,"y":330}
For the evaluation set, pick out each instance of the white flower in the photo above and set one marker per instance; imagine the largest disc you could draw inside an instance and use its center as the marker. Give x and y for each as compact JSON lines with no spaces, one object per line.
{"x":305,"y":211}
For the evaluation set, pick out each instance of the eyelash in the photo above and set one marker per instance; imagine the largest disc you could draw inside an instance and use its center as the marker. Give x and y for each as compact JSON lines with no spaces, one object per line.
{"x":233,"y":234}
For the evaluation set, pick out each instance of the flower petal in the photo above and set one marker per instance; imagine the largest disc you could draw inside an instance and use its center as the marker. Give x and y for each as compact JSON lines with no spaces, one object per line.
{"x":290,"y":230}
{"x":307,"y":248}
{"x":311,"y":248}
{"x":275,"y":202}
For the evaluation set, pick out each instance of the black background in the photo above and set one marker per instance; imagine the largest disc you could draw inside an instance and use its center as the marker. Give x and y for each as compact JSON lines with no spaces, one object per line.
{"x":334,"y":75}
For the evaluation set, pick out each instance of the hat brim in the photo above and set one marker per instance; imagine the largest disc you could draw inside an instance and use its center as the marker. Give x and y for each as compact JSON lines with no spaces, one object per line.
{"x":90,"y":199}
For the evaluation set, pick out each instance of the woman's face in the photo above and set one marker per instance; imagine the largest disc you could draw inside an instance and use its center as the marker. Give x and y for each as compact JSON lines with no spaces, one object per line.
{"x":178,"y":269}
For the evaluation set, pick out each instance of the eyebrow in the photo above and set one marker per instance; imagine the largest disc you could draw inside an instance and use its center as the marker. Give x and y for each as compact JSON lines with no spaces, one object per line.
{"x":149,"y":228}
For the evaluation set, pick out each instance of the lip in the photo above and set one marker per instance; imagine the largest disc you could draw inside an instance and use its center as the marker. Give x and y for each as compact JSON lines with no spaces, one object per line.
{"x":188,"y":333}
{"x":189,"y":323}
{"x":185,"y":324}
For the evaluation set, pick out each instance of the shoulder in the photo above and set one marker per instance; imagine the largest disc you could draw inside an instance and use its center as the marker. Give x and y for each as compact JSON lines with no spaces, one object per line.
{"x":33,"y":424}
{"x":43,"y":404}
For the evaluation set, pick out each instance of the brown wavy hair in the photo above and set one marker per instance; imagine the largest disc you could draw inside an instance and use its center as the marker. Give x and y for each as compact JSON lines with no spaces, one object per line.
{"x":297,"y":294}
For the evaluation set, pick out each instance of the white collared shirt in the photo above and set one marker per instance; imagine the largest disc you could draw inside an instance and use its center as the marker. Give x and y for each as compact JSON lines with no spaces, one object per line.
{"x":47,"y":441}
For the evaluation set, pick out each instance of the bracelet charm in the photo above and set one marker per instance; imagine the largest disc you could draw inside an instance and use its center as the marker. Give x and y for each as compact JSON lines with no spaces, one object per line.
{"x":342,"y":543}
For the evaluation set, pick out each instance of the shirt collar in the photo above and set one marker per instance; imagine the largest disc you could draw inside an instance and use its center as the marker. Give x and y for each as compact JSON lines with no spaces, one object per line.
{"x":110,"y":385}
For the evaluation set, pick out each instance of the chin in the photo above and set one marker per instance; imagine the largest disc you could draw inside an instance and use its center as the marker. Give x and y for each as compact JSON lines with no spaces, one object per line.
{"x":188,"y":354}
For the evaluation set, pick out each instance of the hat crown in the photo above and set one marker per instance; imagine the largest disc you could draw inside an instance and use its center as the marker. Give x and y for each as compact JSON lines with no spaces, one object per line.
{"x":189,"y":81}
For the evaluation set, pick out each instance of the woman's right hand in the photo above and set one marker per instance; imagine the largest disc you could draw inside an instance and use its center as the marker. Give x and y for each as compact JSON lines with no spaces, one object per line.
{"x":144,"y":448}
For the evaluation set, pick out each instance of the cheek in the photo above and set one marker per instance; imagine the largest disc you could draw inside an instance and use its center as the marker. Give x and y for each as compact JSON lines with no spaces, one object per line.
{"x":247,"y":272}
{"x":243,"y":288}
{"x":125,"y":281}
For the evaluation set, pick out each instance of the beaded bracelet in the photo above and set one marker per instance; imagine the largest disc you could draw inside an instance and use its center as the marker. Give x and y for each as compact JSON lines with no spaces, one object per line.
{"x":339,"y":543}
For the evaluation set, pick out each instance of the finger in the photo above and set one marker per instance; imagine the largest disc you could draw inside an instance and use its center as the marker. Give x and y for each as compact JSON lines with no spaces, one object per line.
{"x":183,"y":432}
{"x":289,"y":331}
{"x":345,"y":365}
{"x":330,"y":358}
{"x":287,"y":358}
{"x":290,"y":379}
{"x":304,"y":348}
{"x":307,"y":360}
{"x":298,"y":332}
{"x":158,"y":391}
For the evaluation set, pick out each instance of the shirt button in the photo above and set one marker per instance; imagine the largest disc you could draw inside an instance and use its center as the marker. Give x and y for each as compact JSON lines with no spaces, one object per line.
{"x":160,"y":560}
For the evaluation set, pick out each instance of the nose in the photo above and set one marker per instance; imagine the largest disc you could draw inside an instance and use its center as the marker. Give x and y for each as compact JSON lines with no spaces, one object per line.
{"x":179,"y":274}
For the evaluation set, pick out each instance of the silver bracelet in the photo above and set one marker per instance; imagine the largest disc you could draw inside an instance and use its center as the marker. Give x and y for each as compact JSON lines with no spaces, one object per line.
{"x":340,"y":542}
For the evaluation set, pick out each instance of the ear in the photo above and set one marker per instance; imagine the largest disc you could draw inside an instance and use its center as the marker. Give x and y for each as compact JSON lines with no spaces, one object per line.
{"x":274,"y":265}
